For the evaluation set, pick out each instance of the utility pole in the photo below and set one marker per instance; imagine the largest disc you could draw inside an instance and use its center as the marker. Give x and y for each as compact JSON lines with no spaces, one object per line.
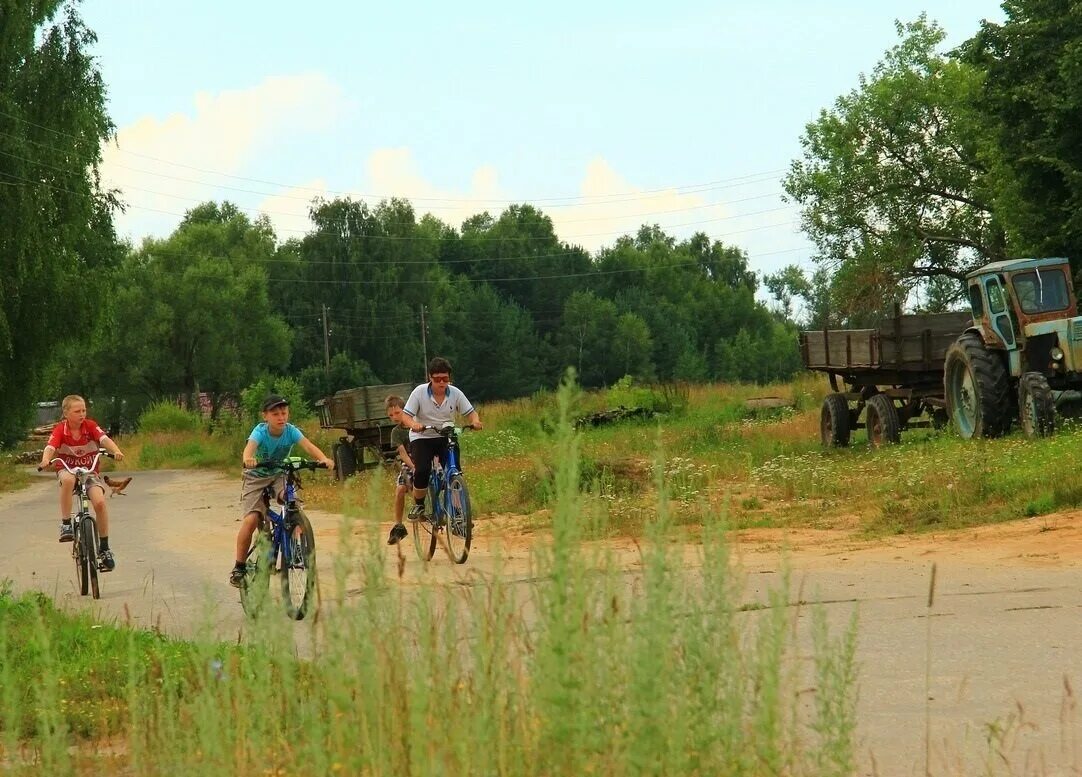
{"x":424,"y":341}
{"x":326,"y":344}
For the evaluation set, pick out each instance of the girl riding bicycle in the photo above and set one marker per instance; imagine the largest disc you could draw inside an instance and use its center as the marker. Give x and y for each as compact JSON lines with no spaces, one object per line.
{"x":75,"y":441}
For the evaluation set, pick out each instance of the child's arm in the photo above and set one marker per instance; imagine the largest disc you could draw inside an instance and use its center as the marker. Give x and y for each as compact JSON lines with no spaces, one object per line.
{"x":311,"y":449}
{"x":112,"y":448}
{"x":248,"y":457}
{"x":404,"y":455}
{"x":47,"y":456}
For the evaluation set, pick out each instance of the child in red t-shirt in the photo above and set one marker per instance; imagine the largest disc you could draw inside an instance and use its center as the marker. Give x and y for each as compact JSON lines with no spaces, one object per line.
{"x":76,"y":440}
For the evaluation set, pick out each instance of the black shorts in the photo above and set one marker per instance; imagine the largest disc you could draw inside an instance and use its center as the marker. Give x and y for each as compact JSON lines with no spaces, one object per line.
{"x":422,"y":451}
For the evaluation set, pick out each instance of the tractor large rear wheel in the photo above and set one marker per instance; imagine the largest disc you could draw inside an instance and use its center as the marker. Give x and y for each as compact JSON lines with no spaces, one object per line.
{"x":977,"y":389}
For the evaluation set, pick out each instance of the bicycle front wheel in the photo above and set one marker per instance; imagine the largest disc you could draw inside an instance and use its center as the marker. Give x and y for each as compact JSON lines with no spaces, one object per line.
{"x":458,"y":533}
{"x":299,"y":567}
{"x":89,"y":529}
{"x":255,"y":589}
{"x":79,"y":553}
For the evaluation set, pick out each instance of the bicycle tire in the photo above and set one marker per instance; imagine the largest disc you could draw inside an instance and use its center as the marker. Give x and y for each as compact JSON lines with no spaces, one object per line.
{"x":255,"y":589}
{"x":424,"y":538}
{"x":299,"y":577}
{"x":89,"y":528}
{"x":78,"y":552}
{"x":458,"y":530}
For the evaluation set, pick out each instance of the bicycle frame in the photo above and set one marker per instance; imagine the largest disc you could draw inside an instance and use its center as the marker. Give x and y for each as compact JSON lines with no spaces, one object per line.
{"x":276,"y":526}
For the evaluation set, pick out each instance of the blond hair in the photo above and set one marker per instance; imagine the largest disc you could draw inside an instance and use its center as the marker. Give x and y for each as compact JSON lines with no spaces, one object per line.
{"x":70,"y":400}
{"x":393,"y":401}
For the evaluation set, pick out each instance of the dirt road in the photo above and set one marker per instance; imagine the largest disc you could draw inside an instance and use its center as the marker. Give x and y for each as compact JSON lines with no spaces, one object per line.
{"x":1005,"y":625}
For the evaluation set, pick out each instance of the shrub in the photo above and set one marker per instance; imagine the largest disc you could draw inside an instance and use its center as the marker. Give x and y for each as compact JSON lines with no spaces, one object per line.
{"x":252,"y":397}
{"x":165,"y":416}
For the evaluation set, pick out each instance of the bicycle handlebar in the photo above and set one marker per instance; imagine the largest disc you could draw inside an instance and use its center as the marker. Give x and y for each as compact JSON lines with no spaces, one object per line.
{"x":290,"y":464}
{"x":446,"y":429}
{"x":81,"y":470}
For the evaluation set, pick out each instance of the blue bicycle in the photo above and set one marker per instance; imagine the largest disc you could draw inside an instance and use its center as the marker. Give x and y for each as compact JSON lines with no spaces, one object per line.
{"x":285,"y":545}
{"x":451,"y":516}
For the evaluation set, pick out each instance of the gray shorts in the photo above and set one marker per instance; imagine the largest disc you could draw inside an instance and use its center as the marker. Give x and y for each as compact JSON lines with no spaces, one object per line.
{"x":92,"y":481}
{"x":251,"y":492}
{"x":405,"y":476}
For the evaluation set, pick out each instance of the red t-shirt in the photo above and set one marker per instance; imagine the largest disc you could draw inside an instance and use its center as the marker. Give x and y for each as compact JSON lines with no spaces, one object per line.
{"x":76,"y":451}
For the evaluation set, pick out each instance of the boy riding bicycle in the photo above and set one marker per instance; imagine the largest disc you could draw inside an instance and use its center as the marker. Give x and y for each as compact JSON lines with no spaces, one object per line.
{"x":400,"y":441}
{"x":75,"y":441}
{"x":432,"y":404}
{"x":270,"y":441}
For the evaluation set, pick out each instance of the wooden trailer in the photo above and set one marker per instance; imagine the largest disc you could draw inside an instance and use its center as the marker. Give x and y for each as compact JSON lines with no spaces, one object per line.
{"x":885,"y":379}
{"x":360,"y":413}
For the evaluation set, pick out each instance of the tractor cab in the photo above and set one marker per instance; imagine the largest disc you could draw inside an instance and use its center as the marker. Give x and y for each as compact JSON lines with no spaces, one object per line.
{"x":1026,"y":308}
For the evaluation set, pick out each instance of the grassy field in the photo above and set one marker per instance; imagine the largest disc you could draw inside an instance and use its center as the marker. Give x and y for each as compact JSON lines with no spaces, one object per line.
{"x":716,"y":459}
{"x":582,"y":673}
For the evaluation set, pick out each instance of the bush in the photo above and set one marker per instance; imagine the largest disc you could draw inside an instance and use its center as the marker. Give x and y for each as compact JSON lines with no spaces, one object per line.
{"x":167,"y":417}
{"x":251,"y":399}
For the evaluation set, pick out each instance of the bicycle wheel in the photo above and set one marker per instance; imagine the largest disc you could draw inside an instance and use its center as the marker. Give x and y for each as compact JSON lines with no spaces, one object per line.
{"x":78,"y":552}
{"x":299,"y":567}
{"x":458,"y":533}
{"x":89,"y":529}
{"x":255,"y":590}
{"x":424,"y":538}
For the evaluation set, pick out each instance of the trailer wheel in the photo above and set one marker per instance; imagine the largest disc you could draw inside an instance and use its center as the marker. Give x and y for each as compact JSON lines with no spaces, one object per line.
{"x":834,"y":425}
{"x":345,"y":462}
{"x":881,"y":420}
{"x":976,"y":388}
{"x":1036,"y":408}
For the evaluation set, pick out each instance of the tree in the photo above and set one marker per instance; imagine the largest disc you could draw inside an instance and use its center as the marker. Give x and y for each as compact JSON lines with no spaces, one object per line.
{"x":57,"y":244}
{"x":193,"y":313}
{"x":894,"y":180}
{"x":1031,"y":99}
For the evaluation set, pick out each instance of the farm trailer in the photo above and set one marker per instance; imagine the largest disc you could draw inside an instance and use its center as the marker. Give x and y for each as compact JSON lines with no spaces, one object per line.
{"x":892,"y":375}
{"x":1019,"y":344}
{"x":361,"y":414}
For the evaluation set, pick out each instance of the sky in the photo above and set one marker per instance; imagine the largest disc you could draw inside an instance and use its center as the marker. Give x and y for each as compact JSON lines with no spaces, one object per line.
{"x":605,"y":115}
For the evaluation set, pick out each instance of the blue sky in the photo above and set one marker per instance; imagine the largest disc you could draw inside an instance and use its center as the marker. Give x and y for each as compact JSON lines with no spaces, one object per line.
{"x":603,"y":114}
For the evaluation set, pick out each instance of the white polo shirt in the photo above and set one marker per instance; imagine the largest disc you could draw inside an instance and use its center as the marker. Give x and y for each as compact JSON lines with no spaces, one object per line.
{"x":423,"y":408}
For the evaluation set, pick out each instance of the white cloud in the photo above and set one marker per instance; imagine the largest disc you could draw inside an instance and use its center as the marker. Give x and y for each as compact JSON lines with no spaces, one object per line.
{"x":165,"y":166}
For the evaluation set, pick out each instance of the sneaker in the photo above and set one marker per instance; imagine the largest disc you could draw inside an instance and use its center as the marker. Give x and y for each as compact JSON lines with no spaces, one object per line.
{"x":236,"y":576}
{"x":106,"y":562}
{"x":458,"y":527}
{"x":67,"y":532}
{"x":398,"y":532}
{"x":417,"y":511}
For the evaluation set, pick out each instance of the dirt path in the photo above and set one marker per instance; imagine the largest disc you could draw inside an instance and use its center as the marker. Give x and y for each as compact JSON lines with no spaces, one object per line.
{"x":1004,"y":634}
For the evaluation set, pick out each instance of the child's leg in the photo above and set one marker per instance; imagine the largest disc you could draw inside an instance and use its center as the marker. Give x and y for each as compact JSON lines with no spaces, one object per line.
{"x":67,"y":486}
{"x":400,"y":501}
{"x":97,"y":499}
{"x":248,"y":525}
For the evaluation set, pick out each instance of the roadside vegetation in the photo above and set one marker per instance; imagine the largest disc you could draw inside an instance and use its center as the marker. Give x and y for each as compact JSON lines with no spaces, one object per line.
{"x":759,"y":468}
{"x":588,"y":671}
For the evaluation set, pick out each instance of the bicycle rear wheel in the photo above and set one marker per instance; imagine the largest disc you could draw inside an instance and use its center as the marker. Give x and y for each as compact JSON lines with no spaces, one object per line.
{"x":458,"y":533}
{"x":89,"y":529}
{"x":255,"y":590}
{"x":299,"y":567}
{"x":78,"y":552}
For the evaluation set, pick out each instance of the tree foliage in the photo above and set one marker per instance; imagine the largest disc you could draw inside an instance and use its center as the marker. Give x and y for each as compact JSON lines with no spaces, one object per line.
{"x":893,"y":181}
{"x":57,"y":244}
{"x":1031,"y":101}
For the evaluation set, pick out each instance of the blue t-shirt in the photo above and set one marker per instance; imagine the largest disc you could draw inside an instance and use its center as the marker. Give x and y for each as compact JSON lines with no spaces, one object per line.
{"x":271,"y":448}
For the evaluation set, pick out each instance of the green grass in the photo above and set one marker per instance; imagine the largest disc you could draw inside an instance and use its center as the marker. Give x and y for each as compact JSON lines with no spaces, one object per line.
{"x":582,"y":673}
